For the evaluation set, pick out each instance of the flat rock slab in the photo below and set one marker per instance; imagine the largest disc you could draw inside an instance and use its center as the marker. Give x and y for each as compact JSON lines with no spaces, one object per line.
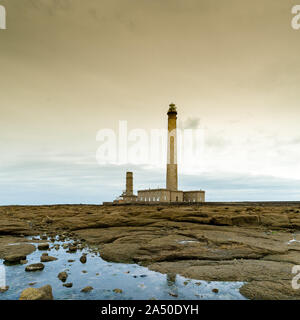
{"x":15,"y":252}
{"x":239,"y":270}
{"x":47,"y":259}
{"x":35,"y":267}
{"x":256,"y":273}
{"x":270,"y":290}
{"x":14,"y":258}
{"x":43,"y":246}
{"x":11,"y":227}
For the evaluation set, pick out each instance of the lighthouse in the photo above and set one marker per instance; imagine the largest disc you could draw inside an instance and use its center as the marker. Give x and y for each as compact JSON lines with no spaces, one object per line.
{"x":171,"y":193}
{"x":172,"y":178}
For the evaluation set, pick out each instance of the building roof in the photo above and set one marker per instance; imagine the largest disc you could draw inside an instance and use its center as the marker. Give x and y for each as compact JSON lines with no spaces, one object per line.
{"x":147,"y":190}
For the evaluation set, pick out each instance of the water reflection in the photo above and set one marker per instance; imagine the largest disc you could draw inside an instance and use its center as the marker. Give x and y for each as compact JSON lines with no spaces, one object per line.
{"x":131,"y":281}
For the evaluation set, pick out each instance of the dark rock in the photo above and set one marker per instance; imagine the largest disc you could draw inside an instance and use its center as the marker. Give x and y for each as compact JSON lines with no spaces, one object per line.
{"x":87,"y":289}
{"x":118,"y":290}
{"x":83,"y":259}
{"x":47,"y":258}
{"x":48,"y":220}
{"x":72,"y":249}
{"x":215,"y":290}
{"x":62,"y":276}
{"x":14,"y":258}
{"x":173,"y":294}
{"x":16,"y":252}
{"x":43,"y":246}
{"x":35,"y":267}
{"x":2,"y":290}
{"x":68,"y":285}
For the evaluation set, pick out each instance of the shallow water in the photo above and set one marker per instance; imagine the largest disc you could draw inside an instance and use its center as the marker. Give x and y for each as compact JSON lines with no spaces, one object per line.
{"x":136,"y":282}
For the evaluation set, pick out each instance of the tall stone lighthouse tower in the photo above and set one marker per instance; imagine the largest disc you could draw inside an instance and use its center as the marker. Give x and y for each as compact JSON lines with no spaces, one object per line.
{"x":172,"y":180}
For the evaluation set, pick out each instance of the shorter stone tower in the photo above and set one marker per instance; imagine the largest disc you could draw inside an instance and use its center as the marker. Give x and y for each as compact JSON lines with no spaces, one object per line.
{"x":127,"y":196}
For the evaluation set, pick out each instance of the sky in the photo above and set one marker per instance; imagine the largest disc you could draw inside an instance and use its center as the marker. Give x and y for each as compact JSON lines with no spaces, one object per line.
{"x":69,"y":68}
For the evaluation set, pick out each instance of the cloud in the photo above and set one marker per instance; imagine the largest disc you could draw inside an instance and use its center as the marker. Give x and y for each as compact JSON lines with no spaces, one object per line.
{"x":190,"y":123}
{"x":216,"y":141}
{"x":73,"y":179}
{"x":228,"y":186}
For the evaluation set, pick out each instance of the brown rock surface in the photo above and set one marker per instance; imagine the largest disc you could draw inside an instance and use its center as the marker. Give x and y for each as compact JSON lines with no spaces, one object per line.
{"x":43,"y":246}
{"x":14,"y":250}
{"x":270,"y":290}
{"x":248,"y":242}
{"x":62,"y":276}
{"x":35,"y":267}
{"x":14,"y":227}
{"x":47,"y":258}
{"x":43,"y":293}
{"x":87,"y":289}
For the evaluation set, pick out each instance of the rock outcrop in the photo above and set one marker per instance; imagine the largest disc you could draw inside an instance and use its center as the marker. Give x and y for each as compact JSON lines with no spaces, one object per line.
{"x":35,"y":267}
{"x":87,"y":289}
{"x":14,"y":252}
{"x":62,"y":276}
{"x":46,"y":258}
{"x":43,"y":293}
{"x":254,"y":243}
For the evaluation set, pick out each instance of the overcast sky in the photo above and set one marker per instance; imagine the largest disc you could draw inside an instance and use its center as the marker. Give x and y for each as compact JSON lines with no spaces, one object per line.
{"x":70,"y":68}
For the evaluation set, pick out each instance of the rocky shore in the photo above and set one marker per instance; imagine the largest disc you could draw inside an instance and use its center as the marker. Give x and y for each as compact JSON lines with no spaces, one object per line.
{"x":254,"y":243}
